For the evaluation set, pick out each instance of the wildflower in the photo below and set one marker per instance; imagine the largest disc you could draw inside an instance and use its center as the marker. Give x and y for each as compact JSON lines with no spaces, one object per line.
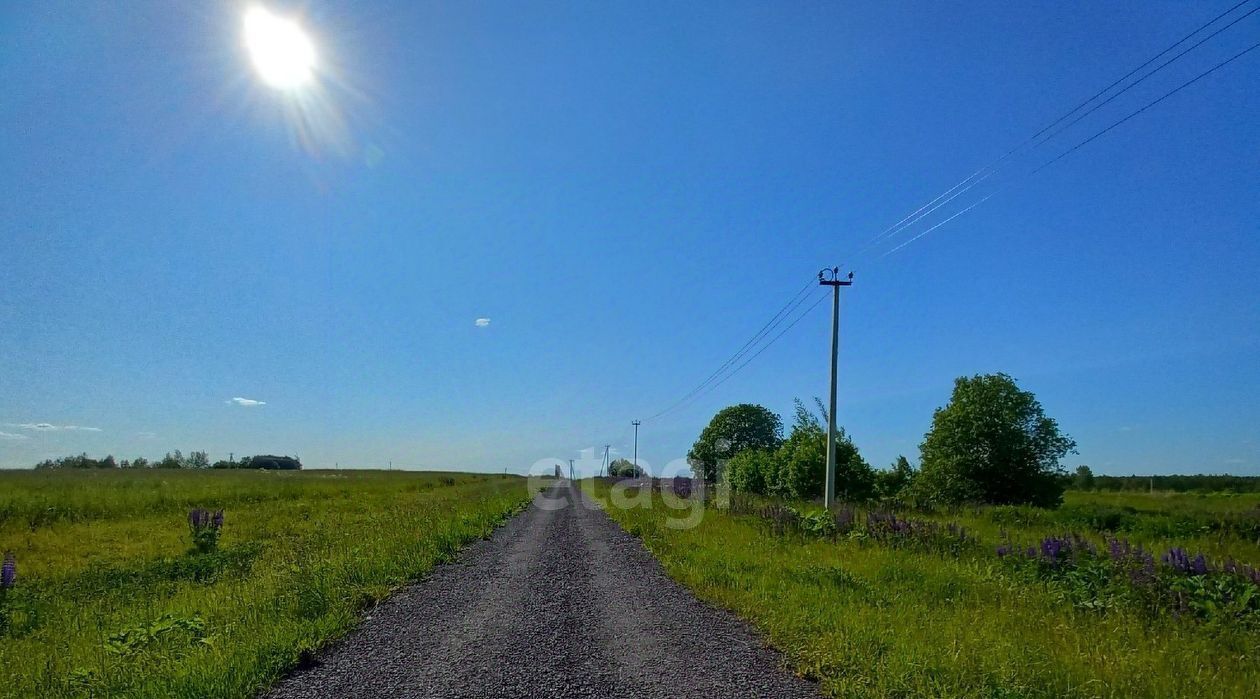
{"x":8,"y":571}
{"x":1199,"y":565}
{"x":1177,"y":559}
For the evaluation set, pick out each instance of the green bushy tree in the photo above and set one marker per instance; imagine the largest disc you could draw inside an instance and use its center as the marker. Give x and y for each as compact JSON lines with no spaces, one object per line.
{"x":1084,"y":478}
{"x":732,"y":430}
{"x":802,"y":462}
{"x":625,"y":468}
{"x":992,"y":443}
{"x":754,"y":471}
{"x":893,"y":482}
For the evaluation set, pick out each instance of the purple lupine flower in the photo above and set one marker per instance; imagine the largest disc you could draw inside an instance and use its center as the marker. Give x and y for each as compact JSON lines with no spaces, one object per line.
{"x":1177,"y":559}
{"x":216,"y":520}
{"x":198,"y":518}
{"x":1003,"y":550}
{"x":1199,"y":565}
{"x":8,"y":571}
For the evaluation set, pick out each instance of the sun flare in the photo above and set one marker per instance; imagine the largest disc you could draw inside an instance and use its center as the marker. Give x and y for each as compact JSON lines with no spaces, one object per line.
{"x":281,"y":52}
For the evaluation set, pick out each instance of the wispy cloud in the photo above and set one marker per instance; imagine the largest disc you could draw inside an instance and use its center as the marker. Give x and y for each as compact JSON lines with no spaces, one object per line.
{"x":247,"y":402}
{"x":48,"y":427}
{"x":147,"y":435}
{"x":482,"y":322}
{"x":11,"y":435}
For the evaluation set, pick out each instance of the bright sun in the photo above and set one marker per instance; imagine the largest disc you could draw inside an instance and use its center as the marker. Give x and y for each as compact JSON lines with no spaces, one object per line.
{"x":282,"y":53}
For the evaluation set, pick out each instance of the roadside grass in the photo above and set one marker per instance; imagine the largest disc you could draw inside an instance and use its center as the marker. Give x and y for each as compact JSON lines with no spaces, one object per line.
{"x":110,"y":602}
{"x":871,"y":621}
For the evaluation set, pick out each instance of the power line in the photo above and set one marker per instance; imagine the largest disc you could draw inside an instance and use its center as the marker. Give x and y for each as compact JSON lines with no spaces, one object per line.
{"x":1085,"y":142}
{"x":1155,"y":70}
{"x":988,"y":170}
{"x":775,"y":320}
{"x":746,"y":362}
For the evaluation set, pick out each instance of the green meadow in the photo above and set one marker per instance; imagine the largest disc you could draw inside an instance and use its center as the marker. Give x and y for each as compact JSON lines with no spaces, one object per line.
{"x":111,"y":600}
{"x":866,"y":619}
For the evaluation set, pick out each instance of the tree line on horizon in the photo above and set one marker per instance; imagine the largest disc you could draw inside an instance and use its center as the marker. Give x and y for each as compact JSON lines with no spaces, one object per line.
{"x":174,"y":460}
{"x":992,"y":443}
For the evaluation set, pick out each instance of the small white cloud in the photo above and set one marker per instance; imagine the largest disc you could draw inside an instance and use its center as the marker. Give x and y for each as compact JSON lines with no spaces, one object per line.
{"x":46,"y":427}
{"x":482,"y":322}
{"x":38,"y":426}
{"x":10,"y":435}
{"x":247,"y":402}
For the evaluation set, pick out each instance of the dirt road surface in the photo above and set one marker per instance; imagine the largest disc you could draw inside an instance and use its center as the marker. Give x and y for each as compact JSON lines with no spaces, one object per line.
{"x":559,"y":602}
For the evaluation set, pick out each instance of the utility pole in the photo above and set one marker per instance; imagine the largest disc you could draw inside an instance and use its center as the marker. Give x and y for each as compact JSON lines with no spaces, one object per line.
{"x":604,"y":465}
{"x":636,"y":424}
{"x":831,"y":278}
{"x":570,"y":469}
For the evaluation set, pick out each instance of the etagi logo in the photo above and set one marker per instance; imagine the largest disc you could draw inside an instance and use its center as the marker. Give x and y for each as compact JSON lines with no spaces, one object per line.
{"x":680,"y":493}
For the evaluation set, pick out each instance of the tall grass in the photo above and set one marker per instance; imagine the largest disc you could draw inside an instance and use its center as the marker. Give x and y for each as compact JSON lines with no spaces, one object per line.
{"x":868,"y":620}
{"x":112,"y":601}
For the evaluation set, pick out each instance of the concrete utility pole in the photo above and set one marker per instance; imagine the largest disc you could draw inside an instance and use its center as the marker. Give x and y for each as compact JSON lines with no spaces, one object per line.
{"x":831,"y":278}
{"x":570,"y":469}
{"x":604,"y":465}
{"x":636,"y":424}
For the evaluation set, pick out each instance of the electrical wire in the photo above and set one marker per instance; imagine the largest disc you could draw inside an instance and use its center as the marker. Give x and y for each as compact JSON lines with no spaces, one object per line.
{"x":1087,"y":141}
{"x":769,"y":326}
{"x":799,"y":318}
{"x":988,"y":170}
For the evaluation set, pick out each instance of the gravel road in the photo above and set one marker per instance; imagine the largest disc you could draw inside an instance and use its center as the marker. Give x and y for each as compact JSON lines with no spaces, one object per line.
{"x":558,"y":603}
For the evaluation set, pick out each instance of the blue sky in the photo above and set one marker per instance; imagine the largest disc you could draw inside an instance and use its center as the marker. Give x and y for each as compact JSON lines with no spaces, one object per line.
{"x":627,"y":191}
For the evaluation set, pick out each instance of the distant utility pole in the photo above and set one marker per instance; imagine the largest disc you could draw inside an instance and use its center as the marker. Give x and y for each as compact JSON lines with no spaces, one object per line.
{"x":831,"y":278}
{"x":231,"y":460}
{"x":636,"y":424}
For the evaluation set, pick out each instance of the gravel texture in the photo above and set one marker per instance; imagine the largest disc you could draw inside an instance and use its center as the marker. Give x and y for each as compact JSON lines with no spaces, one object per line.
{"x":557,"y":603}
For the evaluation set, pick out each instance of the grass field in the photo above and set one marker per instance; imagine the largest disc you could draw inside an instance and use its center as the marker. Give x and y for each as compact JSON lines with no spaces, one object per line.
{"x":871,"y":620}
{"x":110,"y":601}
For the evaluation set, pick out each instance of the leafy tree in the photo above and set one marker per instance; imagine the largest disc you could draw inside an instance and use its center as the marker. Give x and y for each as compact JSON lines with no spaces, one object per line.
{"x":1084,"y":478}
{"x":269,"y":462}
{"x":140,"y":462}
{"x":802,"y":466}
{"x":78,"y":461}
{"x":197,"y":459}
{"x":732,"y":430}
{"x":898,"y":477}
{"x":171,"y":460}
{"x":754,"y":471}
{"x":624,"y":468}
{"x":993,"y":443}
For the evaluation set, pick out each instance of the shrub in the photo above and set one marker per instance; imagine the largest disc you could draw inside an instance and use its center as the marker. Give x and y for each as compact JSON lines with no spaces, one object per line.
{"x":753,"y":471}
{"x":802,"y":463}
{"x":205,"y":527}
